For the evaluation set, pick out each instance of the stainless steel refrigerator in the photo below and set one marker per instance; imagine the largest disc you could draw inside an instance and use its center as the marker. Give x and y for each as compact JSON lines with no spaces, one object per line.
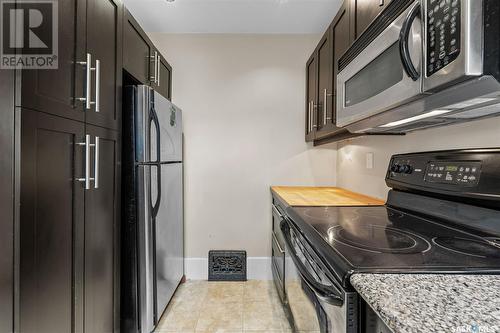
{"x":152,"y":229}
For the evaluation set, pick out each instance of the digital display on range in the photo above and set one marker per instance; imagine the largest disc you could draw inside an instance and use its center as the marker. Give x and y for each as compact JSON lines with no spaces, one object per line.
{"x":456,"y":173}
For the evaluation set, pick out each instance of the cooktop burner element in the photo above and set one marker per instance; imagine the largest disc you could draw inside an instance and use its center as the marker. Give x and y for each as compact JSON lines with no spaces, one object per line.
{"x":468,"y":246}
{"x":380,"y":239}
{"x":385,"y":238}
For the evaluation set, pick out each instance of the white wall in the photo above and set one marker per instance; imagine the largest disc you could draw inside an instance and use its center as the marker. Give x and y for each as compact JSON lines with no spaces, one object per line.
{"x":351,"y":163}
{"x":243,"y":102}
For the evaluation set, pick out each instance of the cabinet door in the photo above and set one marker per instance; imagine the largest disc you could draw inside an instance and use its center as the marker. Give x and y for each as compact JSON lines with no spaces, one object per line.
{"x":136,"y":58}
{"x":101,"y":234}
{"x":104,"y":18}
{"x":164,"y":79}
{"x":56,"y":91}
{"x":342,"y":39}
{"x":7,"y":132}
{"x":325,"y":72}
{"x":51,"y":224}
{"x":366,"y":11}
{"x":311,"y":97}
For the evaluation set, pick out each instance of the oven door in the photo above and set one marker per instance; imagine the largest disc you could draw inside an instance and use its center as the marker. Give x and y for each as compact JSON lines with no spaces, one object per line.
{"x":387,"y":73}
{"x":316,"y":303}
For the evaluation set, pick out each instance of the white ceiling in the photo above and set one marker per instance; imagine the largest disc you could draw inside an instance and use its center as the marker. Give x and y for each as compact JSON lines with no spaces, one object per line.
{"x":234,"y":16}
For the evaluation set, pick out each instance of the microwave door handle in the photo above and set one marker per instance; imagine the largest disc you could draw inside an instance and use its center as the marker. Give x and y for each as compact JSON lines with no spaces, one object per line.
{"x":404,"y":49}
{"x":322,"y":291}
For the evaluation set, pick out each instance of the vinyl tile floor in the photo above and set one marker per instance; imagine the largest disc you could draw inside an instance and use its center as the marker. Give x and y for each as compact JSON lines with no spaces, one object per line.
{"x":201,"y":306}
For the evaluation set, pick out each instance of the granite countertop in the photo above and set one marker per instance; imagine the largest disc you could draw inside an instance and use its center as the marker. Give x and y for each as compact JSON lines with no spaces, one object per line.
{"x":433,"y":302}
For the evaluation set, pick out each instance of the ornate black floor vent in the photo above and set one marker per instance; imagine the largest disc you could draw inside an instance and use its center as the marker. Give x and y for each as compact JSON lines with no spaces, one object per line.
{"x":227,"y":265}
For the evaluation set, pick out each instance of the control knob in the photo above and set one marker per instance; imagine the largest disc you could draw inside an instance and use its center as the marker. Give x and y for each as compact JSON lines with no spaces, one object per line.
{"x":405,"y":169}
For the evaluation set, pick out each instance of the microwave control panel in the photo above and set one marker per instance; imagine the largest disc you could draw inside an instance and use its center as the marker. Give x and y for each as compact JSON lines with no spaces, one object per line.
{"x":443,"y":19}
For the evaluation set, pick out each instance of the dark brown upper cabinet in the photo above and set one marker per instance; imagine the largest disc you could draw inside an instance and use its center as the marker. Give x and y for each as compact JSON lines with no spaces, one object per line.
{"x":85,"y":86}
{"x":311,"y":97}
{"x":104,"y":44}
{"x":365,"y":11}
{"x":324,"y":77}
{"x":142,"y":59}
{"x":164,"y":79}
{"x":138,"y":59}
{"x":321,"y":72}
{"x":57,"y":91}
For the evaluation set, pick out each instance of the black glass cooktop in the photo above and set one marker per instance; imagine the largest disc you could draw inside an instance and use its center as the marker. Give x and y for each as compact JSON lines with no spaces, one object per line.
{"x":384,"y":238}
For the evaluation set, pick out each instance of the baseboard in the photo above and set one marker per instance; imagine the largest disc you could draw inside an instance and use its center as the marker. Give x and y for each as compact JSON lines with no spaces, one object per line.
{"x":258,"y":268}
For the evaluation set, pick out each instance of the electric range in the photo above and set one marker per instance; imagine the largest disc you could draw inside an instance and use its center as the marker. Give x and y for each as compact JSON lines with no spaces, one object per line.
{"x":442,"y":216}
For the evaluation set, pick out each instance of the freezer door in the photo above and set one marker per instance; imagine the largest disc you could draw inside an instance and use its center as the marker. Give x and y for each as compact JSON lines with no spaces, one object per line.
{"x":169,"y":232}
{"x":145,"y":248}
{"x":169,"y":118}
{"x":143,"y":122}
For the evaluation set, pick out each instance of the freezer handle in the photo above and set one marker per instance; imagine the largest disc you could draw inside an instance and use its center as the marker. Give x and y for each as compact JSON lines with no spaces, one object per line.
{"x":156,"y":122}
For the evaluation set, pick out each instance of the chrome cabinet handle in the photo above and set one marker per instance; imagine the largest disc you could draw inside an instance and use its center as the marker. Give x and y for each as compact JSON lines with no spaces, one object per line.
{"x":325,"y":105}
{"x":309,"y":123}
{"x":278,"y":243}
{"x":97,"y":85}
{"x":156,"y":67}
{"x":154,"y":78}
{"x":381,"y":3}
{"x":96,"y":163}
{"x":158,"y":70}
{"x":86,"y":179}
{"x":88,"y":84}
{"x":313,"y":106}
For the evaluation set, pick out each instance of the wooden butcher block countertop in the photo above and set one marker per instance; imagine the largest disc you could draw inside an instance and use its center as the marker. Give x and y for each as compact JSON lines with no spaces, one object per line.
{"x":323,"y":196}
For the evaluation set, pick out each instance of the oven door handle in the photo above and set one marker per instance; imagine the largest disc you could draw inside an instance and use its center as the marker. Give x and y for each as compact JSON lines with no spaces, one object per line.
{"x":404,"y":49}
{"x":324,"y":292}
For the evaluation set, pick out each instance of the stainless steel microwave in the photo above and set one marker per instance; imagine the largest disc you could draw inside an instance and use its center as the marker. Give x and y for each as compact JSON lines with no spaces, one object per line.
{"x":420,"y":64}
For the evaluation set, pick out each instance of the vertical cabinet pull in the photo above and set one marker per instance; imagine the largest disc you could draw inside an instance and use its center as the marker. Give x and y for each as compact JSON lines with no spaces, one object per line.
{"x":97,"y":85}
{"x":96,"y":163}
{"x":381,"y":3}
{"x":313,"y":107}
{"x":153,"y":78}
{"x":158,"y":71}
{"x":309,"y":123}
{"x":87,"y":179}
{"x":88,"y":83}
{"x":325,"y":105}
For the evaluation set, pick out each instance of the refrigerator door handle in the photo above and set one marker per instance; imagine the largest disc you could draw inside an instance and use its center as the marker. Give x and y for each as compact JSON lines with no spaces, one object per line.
{"x":156,"y":207}
{"x":156,"y":122}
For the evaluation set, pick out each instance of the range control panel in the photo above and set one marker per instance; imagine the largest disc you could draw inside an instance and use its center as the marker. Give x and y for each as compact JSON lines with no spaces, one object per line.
{"x":443,"y":33}
{"x":468,"y":173}
{"x":459,"y":173}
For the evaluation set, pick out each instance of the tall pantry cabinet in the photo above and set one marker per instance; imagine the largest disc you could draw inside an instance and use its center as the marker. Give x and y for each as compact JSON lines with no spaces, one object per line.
{"x":68,"y":158}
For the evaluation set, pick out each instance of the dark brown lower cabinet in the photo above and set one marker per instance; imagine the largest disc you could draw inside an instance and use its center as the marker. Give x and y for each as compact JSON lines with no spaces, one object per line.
{"x":101,"y":209}
{"x":51,"y":225}
{"x":68,"y":234}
